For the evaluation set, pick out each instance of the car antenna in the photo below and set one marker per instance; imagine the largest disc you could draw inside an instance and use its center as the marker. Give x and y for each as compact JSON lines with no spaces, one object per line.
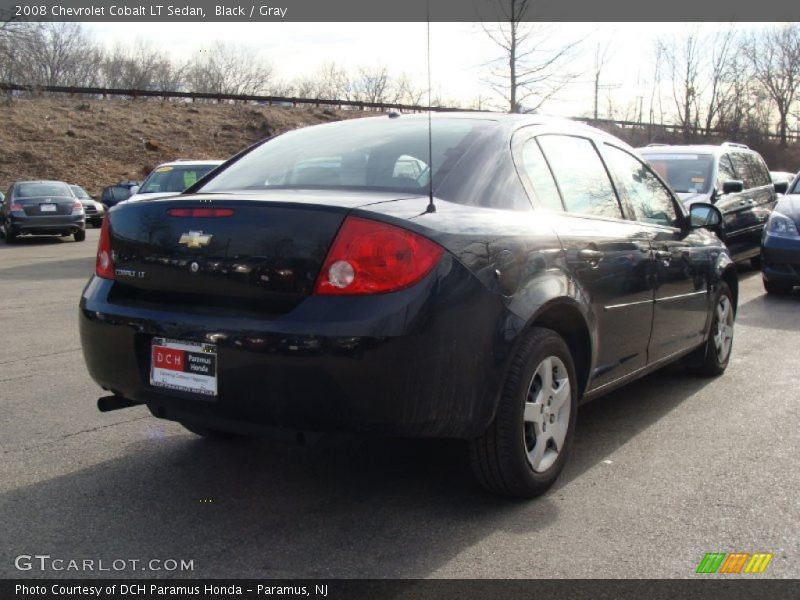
{"x":431,"y":206}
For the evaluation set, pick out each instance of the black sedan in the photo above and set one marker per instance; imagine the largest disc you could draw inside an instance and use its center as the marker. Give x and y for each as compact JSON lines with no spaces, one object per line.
{"x":478,"y":280}
{"x":780,"y":245}
{"x":42,"y":208}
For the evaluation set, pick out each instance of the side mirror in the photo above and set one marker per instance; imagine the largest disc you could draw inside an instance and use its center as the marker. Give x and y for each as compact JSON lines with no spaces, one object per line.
{"x":781,"y":187}
{"x":134,"y":190}
{"x":707,"y":216}
{"x":732,"y":186}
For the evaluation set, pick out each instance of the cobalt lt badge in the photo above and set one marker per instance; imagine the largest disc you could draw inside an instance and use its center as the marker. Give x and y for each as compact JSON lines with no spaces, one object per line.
{"x":195,"y":239}
{"x":194,"y":267}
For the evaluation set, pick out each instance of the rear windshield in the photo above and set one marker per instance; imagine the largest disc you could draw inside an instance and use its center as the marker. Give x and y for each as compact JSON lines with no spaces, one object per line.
{"x":173,"y":179}
{"x":381,"y":154}
{"x":685,"y":173}
{"x":44,"y":188}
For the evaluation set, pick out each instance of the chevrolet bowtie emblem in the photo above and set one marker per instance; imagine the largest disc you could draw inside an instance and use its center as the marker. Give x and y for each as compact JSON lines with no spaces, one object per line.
{"x":195,"y":239}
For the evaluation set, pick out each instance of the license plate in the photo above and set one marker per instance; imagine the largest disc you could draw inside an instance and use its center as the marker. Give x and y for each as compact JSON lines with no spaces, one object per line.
{"x":184,"y":366}
{"x":47,"y":207}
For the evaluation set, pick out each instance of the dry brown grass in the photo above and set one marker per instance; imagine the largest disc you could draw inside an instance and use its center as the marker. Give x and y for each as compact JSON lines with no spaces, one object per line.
{"x":96,"y":143}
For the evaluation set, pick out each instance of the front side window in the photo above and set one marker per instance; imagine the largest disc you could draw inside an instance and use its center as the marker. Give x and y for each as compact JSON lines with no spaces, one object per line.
{"x":650,"y":200}
{"x":581,"y":176}
{"x":726,"y":171}
{"x":744,"y":169}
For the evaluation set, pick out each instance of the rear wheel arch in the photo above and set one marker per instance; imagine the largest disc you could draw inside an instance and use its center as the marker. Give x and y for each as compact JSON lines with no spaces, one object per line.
{"x":730,"y":277}
{"x":566,"y":319}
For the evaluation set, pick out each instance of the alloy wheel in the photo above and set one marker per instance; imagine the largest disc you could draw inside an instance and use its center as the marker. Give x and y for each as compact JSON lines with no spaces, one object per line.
{"x":547,"y":412}
{"x":723,"y":332}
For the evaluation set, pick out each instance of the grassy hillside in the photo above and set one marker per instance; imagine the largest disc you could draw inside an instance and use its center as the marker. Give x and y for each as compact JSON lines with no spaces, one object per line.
{"x":95,"y":143}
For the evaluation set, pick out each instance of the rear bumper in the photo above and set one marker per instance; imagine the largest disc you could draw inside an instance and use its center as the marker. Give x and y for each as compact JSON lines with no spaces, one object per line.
{"x":47,"y":225}
{"x":425,"y":361}
{"x":781,"y":259}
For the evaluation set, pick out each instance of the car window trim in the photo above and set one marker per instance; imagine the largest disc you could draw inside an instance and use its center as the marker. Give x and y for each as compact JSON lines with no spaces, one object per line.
{"x":599,"y":154}
{"x":518,"y":141}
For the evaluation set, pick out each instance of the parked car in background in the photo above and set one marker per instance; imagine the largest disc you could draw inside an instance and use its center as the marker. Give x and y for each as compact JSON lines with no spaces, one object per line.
{"x":41,"y":208}
{"x":730,"y":176}
{"x":781,"y":177}
{"x":339,"y":277}
{"x":172,"y":178}
{"x":780,"y":246}
{"x":114,"y":194}
{"x":95,"y":211}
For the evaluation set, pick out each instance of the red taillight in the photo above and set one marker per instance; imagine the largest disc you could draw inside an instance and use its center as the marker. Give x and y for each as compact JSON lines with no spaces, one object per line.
{"x":77,"y":207}
{"x":368,"y":257}
{"x":200,"y":212}
{"x":104,"y":266}
{"x":17,"y":207}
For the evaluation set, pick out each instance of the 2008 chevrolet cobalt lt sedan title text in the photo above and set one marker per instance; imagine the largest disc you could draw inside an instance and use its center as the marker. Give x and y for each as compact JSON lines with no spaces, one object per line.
{"x":313,"y":284}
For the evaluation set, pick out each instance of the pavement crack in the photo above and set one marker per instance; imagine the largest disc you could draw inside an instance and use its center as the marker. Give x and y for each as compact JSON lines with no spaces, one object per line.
{"x":8,"y":362}
{"x":69,"y":435}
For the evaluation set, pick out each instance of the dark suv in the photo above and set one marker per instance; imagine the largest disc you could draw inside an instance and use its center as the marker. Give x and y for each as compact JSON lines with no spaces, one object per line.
{"x":353,"y":277}
{"x":732,"y":177}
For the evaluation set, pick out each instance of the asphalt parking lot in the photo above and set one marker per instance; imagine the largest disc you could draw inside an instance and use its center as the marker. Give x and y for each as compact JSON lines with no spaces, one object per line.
{"x":662,"y":471}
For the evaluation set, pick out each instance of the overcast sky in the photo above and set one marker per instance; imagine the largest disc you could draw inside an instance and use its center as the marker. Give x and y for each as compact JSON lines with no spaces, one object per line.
{"x":459,"y":51}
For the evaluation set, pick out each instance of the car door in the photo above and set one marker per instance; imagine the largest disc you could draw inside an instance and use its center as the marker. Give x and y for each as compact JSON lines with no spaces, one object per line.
{"x":744,"y":213}
{"x":682,"y":271}
{"x":609,"y":256}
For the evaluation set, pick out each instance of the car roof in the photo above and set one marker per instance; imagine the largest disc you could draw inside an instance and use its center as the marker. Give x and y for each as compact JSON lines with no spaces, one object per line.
{"x":693,"y":149}
{"x":41,"y":181}
{"x":510,"y":122}
{"x":190,"y":163}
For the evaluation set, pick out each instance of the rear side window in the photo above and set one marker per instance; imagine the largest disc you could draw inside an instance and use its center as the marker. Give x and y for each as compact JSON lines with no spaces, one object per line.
{"x":581,"y":176}
{"x":538,"y":173}
{"x":649,"y":199}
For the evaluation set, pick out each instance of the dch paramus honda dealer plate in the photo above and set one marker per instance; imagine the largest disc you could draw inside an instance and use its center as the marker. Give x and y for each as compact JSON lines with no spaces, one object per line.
{"x":185,"y":366}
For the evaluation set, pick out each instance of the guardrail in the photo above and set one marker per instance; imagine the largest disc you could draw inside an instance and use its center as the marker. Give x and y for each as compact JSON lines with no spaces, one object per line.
{"x":269,"y":100}
{"x":351,"y":104}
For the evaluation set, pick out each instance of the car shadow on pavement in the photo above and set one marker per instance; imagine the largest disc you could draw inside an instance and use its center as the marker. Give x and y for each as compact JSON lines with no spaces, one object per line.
{"x":35,"y":240}
{"x":344,"y":507}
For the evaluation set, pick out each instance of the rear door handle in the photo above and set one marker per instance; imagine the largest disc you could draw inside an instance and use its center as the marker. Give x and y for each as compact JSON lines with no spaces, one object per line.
{"x":664,"y":255}
{"x":589,"y":255}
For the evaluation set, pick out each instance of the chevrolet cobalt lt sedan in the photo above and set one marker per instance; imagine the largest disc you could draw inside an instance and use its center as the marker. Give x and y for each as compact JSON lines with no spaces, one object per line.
{"x":362,"y":276}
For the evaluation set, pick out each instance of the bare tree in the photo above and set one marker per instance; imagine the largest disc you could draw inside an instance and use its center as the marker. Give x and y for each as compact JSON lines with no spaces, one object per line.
{"x":683,"y":57}
{"x":371,"y":84}
{"x":775,"y":58}
{"x":722,"y":76}
{"x":600,"y":59}
{"x":533,"y":66}
{"x":328,"y":82}
{"x":405,"y":92}
{"x":140,"y":67}
{"x":228,"y":69}
{"x":58,"y":54}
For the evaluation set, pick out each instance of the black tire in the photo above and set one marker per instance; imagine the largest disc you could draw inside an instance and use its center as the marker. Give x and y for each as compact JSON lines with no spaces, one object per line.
{"x":79,"y":235}
{"x":755,"y":262}
{"x":499,"y":457}
{"x":706,"y":360}
{"x":210,"y":433}
{"x":10,"y":237}
{"x":775,"y":288}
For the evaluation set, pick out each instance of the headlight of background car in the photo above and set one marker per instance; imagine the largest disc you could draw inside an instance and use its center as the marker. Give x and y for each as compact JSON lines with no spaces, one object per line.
{"x":779,"y":224}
